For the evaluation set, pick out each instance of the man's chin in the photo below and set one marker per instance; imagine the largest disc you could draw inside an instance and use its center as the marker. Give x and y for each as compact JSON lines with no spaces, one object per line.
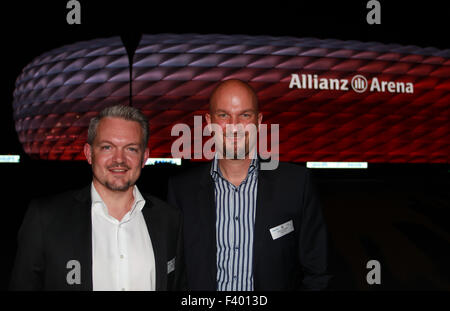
{"x":115,"y":187}
{"x":235,"y":155}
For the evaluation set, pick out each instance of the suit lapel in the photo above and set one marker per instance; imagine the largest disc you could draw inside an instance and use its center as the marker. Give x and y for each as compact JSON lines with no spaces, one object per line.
{"x":155,"y":230}
{"x":264,"y":199}
{"x":82,"y":242}
{"x":207,"y":209}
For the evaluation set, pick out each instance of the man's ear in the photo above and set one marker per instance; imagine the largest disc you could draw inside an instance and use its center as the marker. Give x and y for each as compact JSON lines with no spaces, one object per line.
{"x":146,"y":154}
{"x":88,"y":153}
{"x":260,"y":117}
{"x":208,"y":118}
{"x":208,"y":121}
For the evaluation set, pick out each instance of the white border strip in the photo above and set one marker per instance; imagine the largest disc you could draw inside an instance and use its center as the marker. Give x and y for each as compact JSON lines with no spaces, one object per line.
{"x":9,"y":158}
{"x":153,"y":161}
{"x":358,"y":165}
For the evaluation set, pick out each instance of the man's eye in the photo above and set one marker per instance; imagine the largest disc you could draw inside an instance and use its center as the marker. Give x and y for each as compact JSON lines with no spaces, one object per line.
{"x":133,"y":149}
{"x":222,"y":115}
{"x":105,"y":147}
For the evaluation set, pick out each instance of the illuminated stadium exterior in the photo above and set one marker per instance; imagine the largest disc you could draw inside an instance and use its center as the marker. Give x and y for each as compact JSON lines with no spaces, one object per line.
{"x":395,"y":110}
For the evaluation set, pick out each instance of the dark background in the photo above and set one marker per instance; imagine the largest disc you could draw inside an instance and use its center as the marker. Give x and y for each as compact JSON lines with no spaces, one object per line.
{"x":397,"y":214}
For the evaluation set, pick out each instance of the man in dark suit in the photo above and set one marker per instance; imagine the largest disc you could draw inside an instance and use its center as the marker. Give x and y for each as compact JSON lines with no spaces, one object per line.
{"x":107,"y":236}
{"x":246,"y":228}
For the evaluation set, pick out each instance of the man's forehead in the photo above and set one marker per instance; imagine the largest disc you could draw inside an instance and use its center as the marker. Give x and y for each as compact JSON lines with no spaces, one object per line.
{"x":233,"y":91}
{"x":239,"y":109}
{"x":224,"y":107}
{"x":233,"y":102}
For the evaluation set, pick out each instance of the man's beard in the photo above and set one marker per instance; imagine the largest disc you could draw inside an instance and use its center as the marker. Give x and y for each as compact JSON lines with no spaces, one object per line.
{"x":235,"y":151}
{"x":111,"y":186}
{"x":122,"y":188}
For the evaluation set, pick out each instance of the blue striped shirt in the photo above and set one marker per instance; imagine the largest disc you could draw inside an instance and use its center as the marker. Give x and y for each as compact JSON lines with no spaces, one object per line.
{"x":235,"y":222}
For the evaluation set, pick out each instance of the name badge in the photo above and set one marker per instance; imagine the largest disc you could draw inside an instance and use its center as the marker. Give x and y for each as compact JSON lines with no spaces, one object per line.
{"x":171,"y":265}
{"x":283,"y":229}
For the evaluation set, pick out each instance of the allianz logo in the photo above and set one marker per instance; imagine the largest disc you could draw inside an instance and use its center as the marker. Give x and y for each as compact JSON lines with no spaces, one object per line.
{"x":358,"y":84}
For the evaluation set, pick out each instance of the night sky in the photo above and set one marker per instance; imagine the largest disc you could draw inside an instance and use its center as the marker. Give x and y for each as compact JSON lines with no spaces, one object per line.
{"x":32,"y":28}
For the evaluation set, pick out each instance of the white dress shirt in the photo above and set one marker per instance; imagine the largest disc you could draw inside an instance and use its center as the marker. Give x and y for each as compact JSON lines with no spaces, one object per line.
{"x":122,"y":252}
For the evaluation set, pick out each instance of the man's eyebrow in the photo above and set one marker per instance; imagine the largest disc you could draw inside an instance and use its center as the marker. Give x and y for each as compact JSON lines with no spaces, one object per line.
{"x":243,"y":111}
{"x":111,"y":143}
{"x":133,"y":144}
{"x":105,"y":142}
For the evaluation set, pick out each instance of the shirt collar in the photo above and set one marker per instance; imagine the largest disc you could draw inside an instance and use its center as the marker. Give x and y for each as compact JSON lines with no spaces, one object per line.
{"x":138,"y":203}
{"x":216,"y":173}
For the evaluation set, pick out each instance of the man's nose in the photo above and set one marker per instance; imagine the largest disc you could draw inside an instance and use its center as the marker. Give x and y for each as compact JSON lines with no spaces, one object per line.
{"x":118,"y":155}
{"x":234,"y":127}
{"x":234,"y":121}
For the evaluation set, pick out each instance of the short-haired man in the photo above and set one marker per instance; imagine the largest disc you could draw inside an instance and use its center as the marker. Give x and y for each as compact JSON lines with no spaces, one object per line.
{"x":246,"y":228}
{"x":107,"y":236}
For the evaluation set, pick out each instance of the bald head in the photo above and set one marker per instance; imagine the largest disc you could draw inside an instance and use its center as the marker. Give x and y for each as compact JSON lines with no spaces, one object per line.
{"x":231,"y":91}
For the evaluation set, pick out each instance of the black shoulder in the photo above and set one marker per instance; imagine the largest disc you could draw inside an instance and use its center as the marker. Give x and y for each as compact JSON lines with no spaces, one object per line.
{"x":288,"y":170}
{"x":192,"y":175}
{"x":286,"y":166}
{"x":159,"y":204}
{"x":59,"y":206}
{"x":62,"y":199}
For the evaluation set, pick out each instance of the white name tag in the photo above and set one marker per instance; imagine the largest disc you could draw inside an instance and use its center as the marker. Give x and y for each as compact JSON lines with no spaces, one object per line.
{"x":283,"y":229}
{"x":171,"y":265}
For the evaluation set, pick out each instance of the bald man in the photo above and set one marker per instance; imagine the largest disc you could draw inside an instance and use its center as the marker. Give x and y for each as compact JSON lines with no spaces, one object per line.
{"x":246,"y":228}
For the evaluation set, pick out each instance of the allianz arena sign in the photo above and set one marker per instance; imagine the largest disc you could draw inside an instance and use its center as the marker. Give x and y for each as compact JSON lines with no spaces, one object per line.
{"x":358,"y":84}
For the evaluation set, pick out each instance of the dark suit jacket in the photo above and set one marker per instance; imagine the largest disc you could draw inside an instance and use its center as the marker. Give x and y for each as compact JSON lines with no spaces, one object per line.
{"x":58,"y":229}
{"x":297,"y":260}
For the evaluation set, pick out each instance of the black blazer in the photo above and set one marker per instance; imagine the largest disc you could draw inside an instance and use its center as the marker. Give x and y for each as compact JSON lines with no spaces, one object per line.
{"x":297,"y":260}
{"x":58,"y":229}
